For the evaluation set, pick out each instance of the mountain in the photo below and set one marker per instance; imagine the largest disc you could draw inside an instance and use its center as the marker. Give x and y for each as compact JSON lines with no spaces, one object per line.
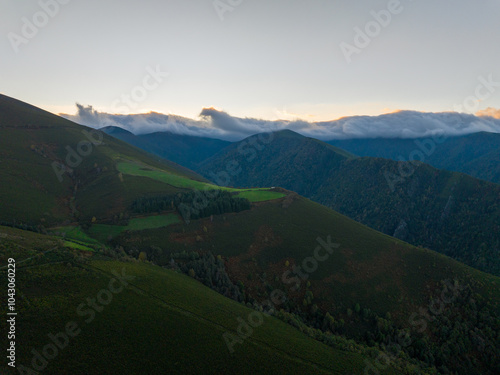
{"x":318,"y":268}
{"x":449,"y":212}
{"x":142,"y":319}
{"x":262,"y":157}
{"x":186,"y":150}
{"x":476,"y":154}
{"x":54,"y":170}
{"x":201,"y":267}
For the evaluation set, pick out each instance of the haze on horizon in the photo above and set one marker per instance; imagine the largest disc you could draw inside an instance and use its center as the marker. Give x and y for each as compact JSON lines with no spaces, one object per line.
{"x":259,"y":59}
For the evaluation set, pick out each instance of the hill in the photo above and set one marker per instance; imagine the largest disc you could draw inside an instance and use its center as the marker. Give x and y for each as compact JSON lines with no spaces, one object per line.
{"x":449,"y":212}
{"x":55,"y":171}
{"x":185,"y":150}
{"x":384,"y":304}
{"x":476,"y":154}
{"x":140,"y":320}
{"x":316,"y":267}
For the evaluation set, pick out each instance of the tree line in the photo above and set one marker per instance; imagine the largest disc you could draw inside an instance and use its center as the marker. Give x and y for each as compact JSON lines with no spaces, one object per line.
{"x":192,"y":204}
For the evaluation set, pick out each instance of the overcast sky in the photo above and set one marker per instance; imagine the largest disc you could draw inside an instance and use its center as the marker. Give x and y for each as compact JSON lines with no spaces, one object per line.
{"x":262,"y":58}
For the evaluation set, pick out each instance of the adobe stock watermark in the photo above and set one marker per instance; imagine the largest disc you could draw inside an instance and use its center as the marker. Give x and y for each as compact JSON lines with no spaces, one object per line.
{"x":224,"y":6}
{"x":395,"y":346}
{"x":56,"y":343}
{"x":427,"y":146}
{"x":406,"y":167}
{"x":363,"y":36}
{"x":74,"y":158}
{"x":484,"y":90}
{"x":31,"y":26}
{"x":130,"y":101}
{"x":293,"y":277}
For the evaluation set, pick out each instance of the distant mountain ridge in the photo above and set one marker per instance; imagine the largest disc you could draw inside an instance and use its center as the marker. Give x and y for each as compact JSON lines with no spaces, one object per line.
{"x":476,"y":154}
{"x":186,"y":150}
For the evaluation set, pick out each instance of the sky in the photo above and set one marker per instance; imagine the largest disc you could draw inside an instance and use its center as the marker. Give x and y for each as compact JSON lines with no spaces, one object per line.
{"x":253,"y":58}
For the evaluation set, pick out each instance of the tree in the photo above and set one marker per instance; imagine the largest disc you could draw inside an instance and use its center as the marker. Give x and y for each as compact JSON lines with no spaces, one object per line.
{"x":357,"y":308}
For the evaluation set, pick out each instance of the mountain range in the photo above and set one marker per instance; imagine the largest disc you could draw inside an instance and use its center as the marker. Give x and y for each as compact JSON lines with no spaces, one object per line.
{"x":134,"y":263}
{"x":425,"y":206}
{"x":476,"y":154}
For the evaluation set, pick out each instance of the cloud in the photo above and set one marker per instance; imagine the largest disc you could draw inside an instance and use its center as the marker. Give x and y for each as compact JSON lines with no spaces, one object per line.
{"x":90,"y":115}
{"x":219,"y":124}
{"x":223,"y":121}
{"x":239,"y":127}
{"x":406,"y":124}
{"x":400,"y":124}
{"x":489,"y":112}
{"x":143,"y":123}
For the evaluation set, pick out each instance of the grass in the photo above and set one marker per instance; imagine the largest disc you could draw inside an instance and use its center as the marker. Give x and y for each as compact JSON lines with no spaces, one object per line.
{"x":103,"y":232}
{"x":77,"y":246}
{"x":136,"y":169}
{"x":75,"y":233}
{"x":178,"y":322}
{"x":151,"y":222}
{"x":260,"y":195}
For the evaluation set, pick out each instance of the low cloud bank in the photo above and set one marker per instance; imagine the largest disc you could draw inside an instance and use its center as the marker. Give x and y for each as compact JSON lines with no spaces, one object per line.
{"x":218,"y":124}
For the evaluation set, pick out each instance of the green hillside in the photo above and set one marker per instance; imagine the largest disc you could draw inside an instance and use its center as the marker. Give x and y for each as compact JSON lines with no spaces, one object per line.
{"x":385,"y":279}
{"x":156,"y":321}
{"x":449,"y":212}
{"x":56,"y":171}
{"x":341,"y":296}
{"x":36,"y":191}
